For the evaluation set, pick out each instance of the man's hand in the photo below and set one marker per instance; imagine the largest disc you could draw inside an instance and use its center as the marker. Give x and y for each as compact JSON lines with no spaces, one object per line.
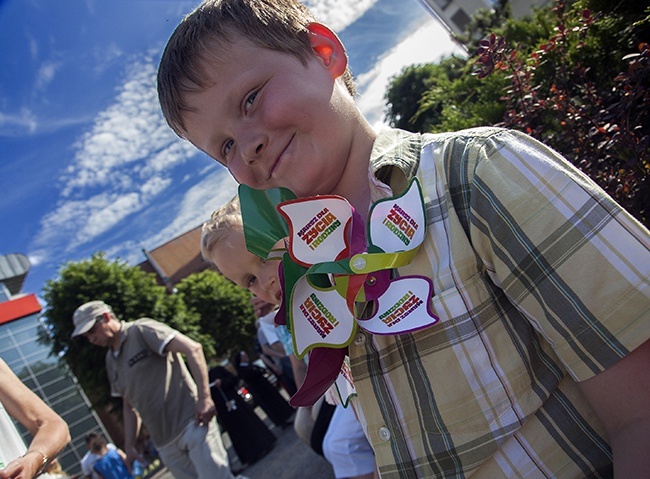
{"x":205,"y":411}
{"x":132,"y":454}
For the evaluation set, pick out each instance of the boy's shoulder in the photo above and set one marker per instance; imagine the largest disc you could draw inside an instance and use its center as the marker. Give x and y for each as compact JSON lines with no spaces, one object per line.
{"x":391,"y":139}
{"x":395,"y":147}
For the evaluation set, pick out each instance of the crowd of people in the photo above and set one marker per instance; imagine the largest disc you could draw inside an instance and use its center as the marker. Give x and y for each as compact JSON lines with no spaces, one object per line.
{"x":497,"y":301}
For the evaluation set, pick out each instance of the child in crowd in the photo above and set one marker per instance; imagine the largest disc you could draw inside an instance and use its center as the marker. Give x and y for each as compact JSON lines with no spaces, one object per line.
{"x":222,"y":243}
{"x":537,"y":365}
{"x":110,"y":463}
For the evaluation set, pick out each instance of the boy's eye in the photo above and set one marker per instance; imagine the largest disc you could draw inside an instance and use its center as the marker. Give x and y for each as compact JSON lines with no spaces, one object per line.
{"x":250,"y":282}
{"x":249,"y":100}
{"x":226,"y":147}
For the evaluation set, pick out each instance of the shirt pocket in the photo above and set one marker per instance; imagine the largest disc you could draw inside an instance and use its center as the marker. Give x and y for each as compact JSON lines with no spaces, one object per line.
{"x":477,"y":363}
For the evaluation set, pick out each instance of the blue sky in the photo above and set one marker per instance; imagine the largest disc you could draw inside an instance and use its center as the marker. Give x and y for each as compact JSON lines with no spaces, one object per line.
{"x":87,"y":162}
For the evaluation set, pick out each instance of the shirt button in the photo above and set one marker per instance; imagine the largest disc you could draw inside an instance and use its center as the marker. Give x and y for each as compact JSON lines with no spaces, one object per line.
{"x":384,"y":434}
{"x":360,"y":340}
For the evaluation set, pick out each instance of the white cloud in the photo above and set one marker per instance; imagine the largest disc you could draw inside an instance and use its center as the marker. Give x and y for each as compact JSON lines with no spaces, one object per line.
{"x":129,"y":136}
{"x":35,"y":258}
{"x":33,"y":45}
{"x":196,"y":205}
{"x":46,"y":74}
{"x":122,"y":163}
{"x":126,"y":161}
{"x":427,"y":44}
{"x":25,"y":120}
{"x":338,"y":14}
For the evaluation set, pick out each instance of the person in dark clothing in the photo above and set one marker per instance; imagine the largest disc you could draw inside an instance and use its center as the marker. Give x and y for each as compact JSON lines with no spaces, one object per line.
{"x":266,"y":396}
{"x":321,"y":426}
{"x":250,"y":437}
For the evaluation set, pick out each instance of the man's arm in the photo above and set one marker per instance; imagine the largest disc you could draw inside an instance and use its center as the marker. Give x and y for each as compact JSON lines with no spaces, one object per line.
{"x":193,"y":352}
{"x":270,"y":365}
{"x":131,"y":431}
{"x":275,"y":350}
{"x":621,"y":398}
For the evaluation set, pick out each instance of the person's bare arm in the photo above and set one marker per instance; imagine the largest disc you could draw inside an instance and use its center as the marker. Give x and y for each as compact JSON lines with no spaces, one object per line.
{"x":121,"y":453}
{"x":193,"y":352}
{"x":275,"y":350}
{"x":50,"y":433}
{"x":621,"y":398}
{"x":299,"y":369}
{"x":270,"y":365}
{"x":132,"y":424}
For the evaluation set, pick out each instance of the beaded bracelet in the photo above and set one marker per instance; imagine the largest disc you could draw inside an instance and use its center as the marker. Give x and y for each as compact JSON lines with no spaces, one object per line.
{"x":45,"y":458}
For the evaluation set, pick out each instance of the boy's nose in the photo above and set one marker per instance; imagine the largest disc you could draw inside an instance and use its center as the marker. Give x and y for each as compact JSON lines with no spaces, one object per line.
{"x":253,"y":148}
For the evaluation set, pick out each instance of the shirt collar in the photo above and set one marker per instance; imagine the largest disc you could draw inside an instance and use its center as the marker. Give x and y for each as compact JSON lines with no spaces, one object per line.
{"x":123,"y":333}
{"x":392,"y":149}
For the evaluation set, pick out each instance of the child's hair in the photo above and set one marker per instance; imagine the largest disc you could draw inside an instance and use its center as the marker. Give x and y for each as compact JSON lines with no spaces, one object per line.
{"x":54,"y":468}
{"x":91,"y":437}
{"x":98,"y":444}
{"x":274,"y":24}
{"x":223,"y":220}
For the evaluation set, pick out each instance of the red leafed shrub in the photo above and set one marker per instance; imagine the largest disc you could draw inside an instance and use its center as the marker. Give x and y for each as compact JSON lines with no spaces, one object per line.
{"x":554,"y":94}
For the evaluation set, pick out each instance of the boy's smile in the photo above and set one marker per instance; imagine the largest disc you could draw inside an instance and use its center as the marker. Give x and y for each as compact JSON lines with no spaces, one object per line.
{"x":274,"y":121}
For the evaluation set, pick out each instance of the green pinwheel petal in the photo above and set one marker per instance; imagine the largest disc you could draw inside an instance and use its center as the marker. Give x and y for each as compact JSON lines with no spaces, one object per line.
{"x":263,"y":225}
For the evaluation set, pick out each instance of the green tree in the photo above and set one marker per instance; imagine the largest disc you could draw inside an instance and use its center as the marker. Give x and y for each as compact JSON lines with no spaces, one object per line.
{"x":405,"y":94}
{"x":574,"y":75}
{"x":224,"y":308}
{"x":131,"y":293}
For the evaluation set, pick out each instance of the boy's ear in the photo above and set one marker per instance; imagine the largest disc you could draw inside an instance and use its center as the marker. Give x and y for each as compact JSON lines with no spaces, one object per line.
{"x":327,"y":46}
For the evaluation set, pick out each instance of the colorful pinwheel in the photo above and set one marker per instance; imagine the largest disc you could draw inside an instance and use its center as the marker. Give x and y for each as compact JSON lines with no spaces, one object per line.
{"x":337,"y":274}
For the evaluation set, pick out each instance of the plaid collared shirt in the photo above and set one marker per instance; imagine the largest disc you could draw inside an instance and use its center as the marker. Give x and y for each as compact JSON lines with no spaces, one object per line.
{"x":540,"y":280}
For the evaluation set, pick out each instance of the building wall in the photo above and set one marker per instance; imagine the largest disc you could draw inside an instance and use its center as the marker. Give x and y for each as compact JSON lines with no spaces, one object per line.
{"x":455,"y":14}
{"x":42,"y":372}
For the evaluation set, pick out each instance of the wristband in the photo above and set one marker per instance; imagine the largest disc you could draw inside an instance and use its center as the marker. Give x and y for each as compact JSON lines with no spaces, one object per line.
{"x":45,"y":458}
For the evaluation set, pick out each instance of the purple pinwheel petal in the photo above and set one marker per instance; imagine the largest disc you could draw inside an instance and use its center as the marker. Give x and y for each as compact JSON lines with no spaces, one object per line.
{"x":357,"y":234}
{"x":323,"y":369}
{"x":281,"y":316}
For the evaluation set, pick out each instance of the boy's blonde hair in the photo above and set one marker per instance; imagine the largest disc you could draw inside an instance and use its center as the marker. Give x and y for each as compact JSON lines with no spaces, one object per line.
{"x":223,"y":220}
{"x":274,"y":24}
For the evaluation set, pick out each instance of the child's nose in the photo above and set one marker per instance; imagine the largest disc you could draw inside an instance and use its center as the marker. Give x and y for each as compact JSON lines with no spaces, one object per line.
{"x":253,"y":148}
{"x":269,"y":284}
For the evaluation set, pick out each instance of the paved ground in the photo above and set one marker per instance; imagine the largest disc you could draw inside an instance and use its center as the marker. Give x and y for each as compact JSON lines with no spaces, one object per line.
{"x":289,"y":459}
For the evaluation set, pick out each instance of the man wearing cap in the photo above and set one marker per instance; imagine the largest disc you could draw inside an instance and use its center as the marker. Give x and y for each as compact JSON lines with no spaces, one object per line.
{"x":145,"y":368}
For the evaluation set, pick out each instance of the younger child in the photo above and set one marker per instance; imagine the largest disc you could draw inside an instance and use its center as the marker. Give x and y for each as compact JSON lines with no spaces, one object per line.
{"x":222,"y":243}
{"x":538,"y":364}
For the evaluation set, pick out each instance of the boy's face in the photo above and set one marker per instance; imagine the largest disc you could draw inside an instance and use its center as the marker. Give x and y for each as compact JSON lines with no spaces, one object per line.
{"x":245,"y":269}
{"x":272,"y":121}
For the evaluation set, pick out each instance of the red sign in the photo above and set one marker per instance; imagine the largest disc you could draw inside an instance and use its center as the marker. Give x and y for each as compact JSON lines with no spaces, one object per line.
{"x":19,"y":308}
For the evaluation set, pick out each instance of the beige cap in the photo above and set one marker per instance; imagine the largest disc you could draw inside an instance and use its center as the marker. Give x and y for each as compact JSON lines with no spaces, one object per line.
{"x":85,"y":316}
